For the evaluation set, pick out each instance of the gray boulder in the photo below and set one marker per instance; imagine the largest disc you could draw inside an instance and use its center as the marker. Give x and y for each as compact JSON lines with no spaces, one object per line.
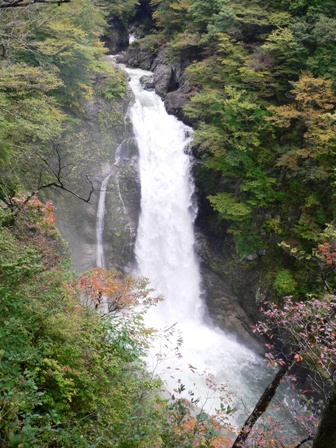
{"x":174,"y":104}
{"x":147,"y":82}
{"x":162,"y":79}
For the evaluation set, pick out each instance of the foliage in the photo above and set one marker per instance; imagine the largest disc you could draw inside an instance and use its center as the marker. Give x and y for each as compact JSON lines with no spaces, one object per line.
{"x":115,"y":85}
{"x":188,"y":425}
{"x":68,"y":377}
{"x":119,"y":291}
{"x":122,"y":9}
{"x":284,"y":283}
{"x":50,"y":59}
{"x":263,"y":85}
{"x":74,"y":377}
{"x":308,"y":328}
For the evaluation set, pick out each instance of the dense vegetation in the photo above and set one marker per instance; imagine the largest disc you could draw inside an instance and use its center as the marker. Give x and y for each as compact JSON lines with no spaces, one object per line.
{"x":262,"y":74}
{"x":69,"y":376}
{"x":264,"y":112}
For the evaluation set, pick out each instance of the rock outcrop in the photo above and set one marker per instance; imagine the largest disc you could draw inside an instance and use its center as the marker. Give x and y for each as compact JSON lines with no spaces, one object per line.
{"x":147,"y":82}
{"x":168,"y":77}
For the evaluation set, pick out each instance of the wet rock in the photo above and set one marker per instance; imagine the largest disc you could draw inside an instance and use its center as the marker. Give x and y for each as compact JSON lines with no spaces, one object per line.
{"x":137,"y":57}
{"x":121,"y":57}
{"x":147,"y":82}
{"x":162,"y":79}
{"x":225,"y":311}
{"x":161,"y":58}
{"x":175,"y":102}
{"x":224,"y":305}
{"x":102,"y":138}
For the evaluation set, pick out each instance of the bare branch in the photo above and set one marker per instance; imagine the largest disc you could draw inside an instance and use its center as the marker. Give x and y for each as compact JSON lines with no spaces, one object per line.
{"x":262,"y":404}
{"x":23,"y":3}
{"x":308,"y":439}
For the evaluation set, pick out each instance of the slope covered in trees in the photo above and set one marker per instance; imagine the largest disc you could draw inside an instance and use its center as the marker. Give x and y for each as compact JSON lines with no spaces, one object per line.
{"x":261,"y":81}
{"x":261,"y":76}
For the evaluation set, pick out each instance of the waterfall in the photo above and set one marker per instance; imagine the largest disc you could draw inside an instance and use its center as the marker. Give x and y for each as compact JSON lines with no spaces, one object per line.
{"x":100,"y":259}
{"x":164,"y":246}
{"x":165,"y":251}
{"x":165,"y":255}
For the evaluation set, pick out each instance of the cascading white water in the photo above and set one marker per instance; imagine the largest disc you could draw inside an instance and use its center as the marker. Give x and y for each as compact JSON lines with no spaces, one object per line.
{"x":164,"y":245}
{"x":100,"y":259}
{"x":165,"y":253}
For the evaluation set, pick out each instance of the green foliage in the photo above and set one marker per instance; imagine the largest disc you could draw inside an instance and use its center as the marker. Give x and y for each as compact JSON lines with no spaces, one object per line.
{"x":265,"y":134}
{"x":122,"y":9}
{"x":229,"y":207}
{"x":284,"y":283}
{"x":68,"y":377}
{"x":51,"y":58}
{"x":115,"y":85}
{"x":170,"y":15}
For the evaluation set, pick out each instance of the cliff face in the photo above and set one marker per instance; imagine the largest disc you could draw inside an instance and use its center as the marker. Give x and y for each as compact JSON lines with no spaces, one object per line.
{"x":168,"y":79}
{"x":105,"y":146}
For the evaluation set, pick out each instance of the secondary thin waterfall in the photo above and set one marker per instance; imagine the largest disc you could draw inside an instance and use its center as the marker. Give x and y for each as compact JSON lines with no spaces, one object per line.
{"x":100,"y":259}
{"x":165,"y":253}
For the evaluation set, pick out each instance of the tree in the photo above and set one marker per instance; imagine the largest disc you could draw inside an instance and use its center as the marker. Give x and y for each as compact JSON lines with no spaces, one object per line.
{"x":67,"y":376}
{"x":308,"y":331}
{"x":118,"y":291}
{"x":46,"y":77}
{"x":326,"y":434}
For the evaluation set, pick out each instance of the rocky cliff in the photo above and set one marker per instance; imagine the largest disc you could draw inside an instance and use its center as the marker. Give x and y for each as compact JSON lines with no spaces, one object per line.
{"x":105,"y":145}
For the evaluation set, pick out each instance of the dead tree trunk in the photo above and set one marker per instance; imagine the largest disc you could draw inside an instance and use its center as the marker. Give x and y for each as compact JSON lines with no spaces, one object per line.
{"x":262,"y":404}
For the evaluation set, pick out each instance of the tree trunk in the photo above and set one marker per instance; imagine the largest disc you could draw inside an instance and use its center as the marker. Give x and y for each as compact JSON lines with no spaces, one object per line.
{"x":263,"y":404}
{"x":326,"y":432}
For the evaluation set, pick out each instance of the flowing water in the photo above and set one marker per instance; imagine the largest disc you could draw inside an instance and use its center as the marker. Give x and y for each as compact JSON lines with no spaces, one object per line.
{"x":165,"y":255}
{"x":100,"y":259}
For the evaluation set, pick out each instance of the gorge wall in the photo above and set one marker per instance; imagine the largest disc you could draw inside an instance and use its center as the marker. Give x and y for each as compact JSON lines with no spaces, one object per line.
{"x":105,"y":145}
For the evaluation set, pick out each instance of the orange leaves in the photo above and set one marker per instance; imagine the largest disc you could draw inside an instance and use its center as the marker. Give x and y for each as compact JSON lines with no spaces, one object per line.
{"x":99,"y":282}
{"x":310,"y":116}
{"x":283,"y":115}
{"x":314,"y":92}
{"x":33,"y":225}
{"x":328,"y":251}
{"x":43,"y":215}
{"x":119,"y":291}
{"x":197,"y":433}
{"x":298,"y":358}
